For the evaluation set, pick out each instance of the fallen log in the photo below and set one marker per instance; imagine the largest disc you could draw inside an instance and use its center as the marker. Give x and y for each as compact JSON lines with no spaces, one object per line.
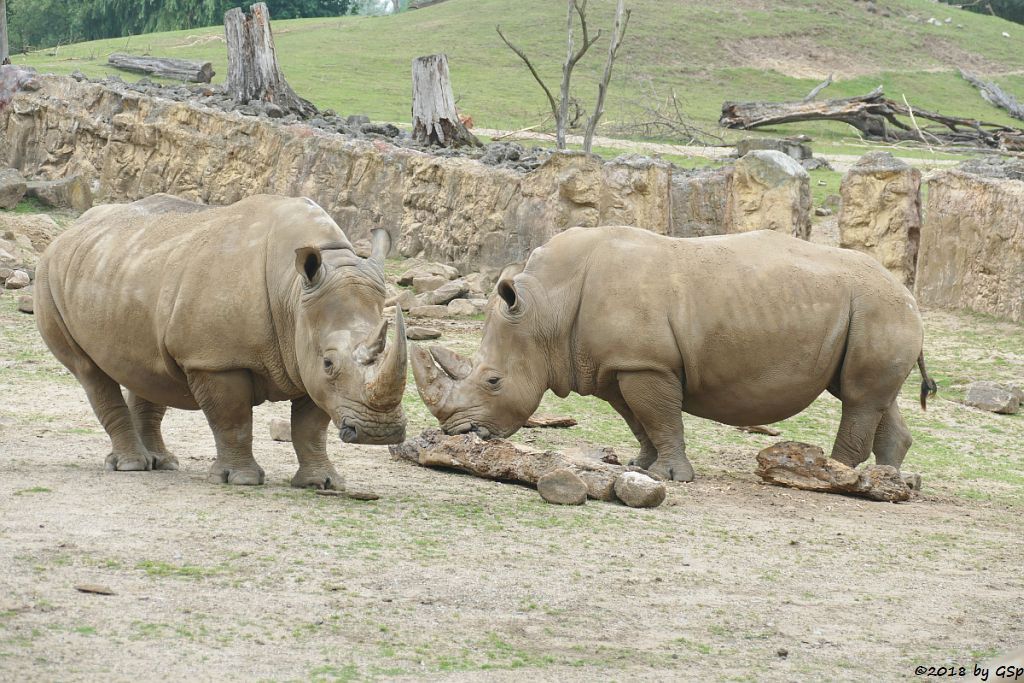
{"x":539,"y":421}
{"x":164,"y":67}
{"x":803,"y":466}
{"x":503,"y":461}
{"x":876,"y":118}
{"x":996,"y":96}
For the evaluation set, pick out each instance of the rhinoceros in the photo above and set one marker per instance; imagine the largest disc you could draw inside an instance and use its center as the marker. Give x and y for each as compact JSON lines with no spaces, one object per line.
{"x":221,"y":309}
{"x":742,"y":329}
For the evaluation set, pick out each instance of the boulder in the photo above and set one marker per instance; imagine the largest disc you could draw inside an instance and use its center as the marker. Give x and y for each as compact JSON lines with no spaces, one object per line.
{"x":12,"y":188}
{"x":422,"y":284}
{"x":699,"y":200}
{"x":480,"y":285}
{"x":17,"y":280}
{"x":796,"y":149}
{"x":448,"y":291}
{"x":69,"y":192}
{"x":972,"y":245}
{"x":417,"y":333}
{"x":429,"y":312}
{"x":426,"y":270}
{"x":881,"y":212}
{"x":405,"y":299}
{"x":637,"y":490}
{"x":562,"y":487}
{"x":992,"y":397}
{"x":463,"y":307}
{"x":25,"y":304}
{"x":280,"y":429}
{"x":31,"y":231}
{"x":772,"y":191}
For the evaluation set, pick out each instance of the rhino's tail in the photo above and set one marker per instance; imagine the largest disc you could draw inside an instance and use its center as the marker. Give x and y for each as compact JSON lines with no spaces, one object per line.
{"x":928,"y":385}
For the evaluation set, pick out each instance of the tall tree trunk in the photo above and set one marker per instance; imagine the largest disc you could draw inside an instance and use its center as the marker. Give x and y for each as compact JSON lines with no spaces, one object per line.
{"x":4,"y":49}
{"x":618,"y":31}
{"x":253,"y":72}
{"x":435,"y":120}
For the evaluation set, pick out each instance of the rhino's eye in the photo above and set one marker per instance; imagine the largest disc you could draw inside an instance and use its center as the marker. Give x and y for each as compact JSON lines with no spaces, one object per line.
{"x":328,"y":364}
{"x":493,"y":381}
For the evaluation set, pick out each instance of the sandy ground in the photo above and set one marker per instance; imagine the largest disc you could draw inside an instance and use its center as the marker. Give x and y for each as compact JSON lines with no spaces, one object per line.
{"x":448,"y":577}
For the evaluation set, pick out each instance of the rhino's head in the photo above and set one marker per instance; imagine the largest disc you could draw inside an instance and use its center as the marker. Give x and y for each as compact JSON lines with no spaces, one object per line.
{"x":496,"y":393}
{"x":341,"y":345}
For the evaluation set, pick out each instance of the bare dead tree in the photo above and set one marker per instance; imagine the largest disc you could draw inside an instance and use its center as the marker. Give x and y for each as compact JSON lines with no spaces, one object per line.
{"x":560,"y":107}
{"x":816,"y":90}
{"x":667,"y":120}
{"x":618,"y":31}
{"x":5,"y":55}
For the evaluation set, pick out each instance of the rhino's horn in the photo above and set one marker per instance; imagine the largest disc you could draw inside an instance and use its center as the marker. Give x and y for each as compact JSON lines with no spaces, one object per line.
{"x":387,"y":383}
{"x":433,"y":384}
{"x":452,"y":363}
{"x":380,"y":246}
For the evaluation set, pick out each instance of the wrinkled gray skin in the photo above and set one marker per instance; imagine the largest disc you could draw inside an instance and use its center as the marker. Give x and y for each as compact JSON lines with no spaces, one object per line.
{"x":741,"y":329}
{"x":221,"y":309}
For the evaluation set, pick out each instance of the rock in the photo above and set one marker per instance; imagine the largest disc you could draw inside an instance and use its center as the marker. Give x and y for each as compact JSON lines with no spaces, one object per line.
{"x":972,"y":245}
{"x":25,"y":304}
{"x":427,"y":283}
{"x":426,"y":270}
{"x":361,"y":494}
{"x":12,"y":188}
{"x":363,"y":248}
{"x":463,"y":307}
{"x":480,"y":285}
{"x":769,"y":190}
{"x":405,"y":300}
{"x":760,"y":429}
{"x":5,"y":271}
{"x":94,"y":588}
{"x":822,"y":211}
{"x":992,"y":397}
{"x":797,"y":149}
{"x":699,"y":201}
{"x":30,"y":231}
{"x":448,"y":291}
{"x":912,"y":480}
{"x":638,"y":490}
{"x":538,"y":421}
{"x":562,"y":487}
{"x":69,"y":192}
{"x":417,"y":333}
{"x":881,"y":212}
{"x":280,"y":429}
{"x":429,"y":312}
{"x":17,"y":280}
{"x":1017,"y":389}
{"x":803,"y":466}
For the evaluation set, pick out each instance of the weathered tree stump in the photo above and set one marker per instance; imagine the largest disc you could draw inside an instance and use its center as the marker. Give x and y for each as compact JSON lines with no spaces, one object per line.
{"x":4,"y":50}
{"x":503,"y":461}
{"x":165,"y":67}
{"x":253,"y":72}
{"x":435,"y":121}
{"x":803,"y":466}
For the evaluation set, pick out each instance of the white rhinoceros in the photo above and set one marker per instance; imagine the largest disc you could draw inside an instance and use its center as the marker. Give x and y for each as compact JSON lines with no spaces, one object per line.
{"x":741,"y":329}
{"x":221,"y":309}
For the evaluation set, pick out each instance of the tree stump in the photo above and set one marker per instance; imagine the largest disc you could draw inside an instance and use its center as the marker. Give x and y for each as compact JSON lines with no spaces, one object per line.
{"x":253,"y":72}
{"x":435,"y":120}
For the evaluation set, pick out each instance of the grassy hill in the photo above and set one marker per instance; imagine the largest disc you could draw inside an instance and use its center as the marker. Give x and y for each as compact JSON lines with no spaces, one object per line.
{"x":706,"y":50}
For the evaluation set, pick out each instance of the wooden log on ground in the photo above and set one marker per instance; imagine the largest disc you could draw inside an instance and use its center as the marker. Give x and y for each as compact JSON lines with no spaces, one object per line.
{"x":876,"y":118}
{"x":435,"y":121}
{"x":253,"y":71}
{"x":539,"y":421}
{"x":803,"y":466}
{"x":503,"y":461}
{"x":994,"y":95}
{"x":164,"y":67}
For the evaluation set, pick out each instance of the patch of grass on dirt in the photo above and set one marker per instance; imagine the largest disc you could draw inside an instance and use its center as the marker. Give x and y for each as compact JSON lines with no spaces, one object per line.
{"x":34,"y":489}
{"x":184,"y":571}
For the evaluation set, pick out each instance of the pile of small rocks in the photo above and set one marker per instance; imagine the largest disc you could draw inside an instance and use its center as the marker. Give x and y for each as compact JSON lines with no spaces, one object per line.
{"x":429,"y":290}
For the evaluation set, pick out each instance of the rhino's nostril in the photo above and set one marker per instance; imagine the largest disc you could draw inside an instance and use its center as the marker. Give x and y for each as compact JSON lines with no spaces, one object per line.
{"x":348,"y":433}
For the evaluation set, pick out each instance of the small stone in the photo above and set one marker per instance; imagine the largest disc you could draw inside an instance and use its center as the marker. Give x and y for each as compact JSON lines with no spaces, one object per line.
{"x":429,"y":312}
{"x":912,"y":480}
{"x":273,"y":111}
{"x":822,"y":211}
{"x":405,"y":299}
{"x":427,"y":269}
{"x":446,"y":292}
{"x":25,"y":304}
{"x":462,"y":307}
{"x":562,"y":487}
{"x":991,"y":397}
{"x":638,"y":490}
{"x":427,"y":283}
{"x":17,"y":280}
{"x":417,"y":333}
{"x":782,"y":652}
{"x":94,"y":588}
{"x":329,"y":493}
{"x":357,"y":494}
{"x":12,"y":188}
{"x":280,"y":429}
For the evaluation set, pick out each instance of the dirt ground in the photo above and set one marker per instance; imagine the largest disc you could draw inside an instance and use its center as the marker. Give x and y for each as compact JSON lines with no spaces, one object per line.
{"x":448,"y":577}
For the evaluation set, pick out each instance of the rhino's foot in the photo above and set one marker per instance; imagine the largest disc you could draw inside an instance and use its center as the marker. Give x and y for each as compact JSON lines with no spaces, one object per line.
{"x":223,"y":473}
{"x":676,"y":469}
{"x":164,"y":461}
{"x":644,"y":460}
{"x":318,"y":477}
{"x":129,"y":462}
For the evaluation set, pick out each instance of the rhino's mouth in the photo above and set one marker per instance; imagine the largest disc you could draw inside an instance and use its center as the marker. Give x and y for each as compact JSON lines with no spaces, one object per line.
{"x":379,"y":434}
{"x":469,"y":428}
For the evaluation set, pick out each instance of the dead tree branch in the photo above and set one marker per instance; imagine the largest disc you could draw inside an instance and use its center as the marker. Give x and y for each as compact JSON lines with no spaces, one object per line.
{"x":618,"y":31}
{"x":994,"y":95}
{"x":667,"y":121}
{"x":818,"y":88}
{"x":536,"y":76}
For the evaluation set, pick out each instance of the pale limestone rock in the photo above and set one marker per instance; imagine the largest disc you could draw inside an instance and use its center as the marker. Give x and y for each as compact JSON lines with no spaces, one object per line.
{"x":769,"y":191}
{"x":12,"y":188}
{"x":280,"y":429}
{"x":422,"y":284}
{"x":462,"y":307}
{"x":562,"y":487}
{"x":17,"y":280}
{"x":429,"y":312}
{"x":418,"y":333}
{"x":637,"y":490}
{"x":69,"y":192}
{"x":881,"y":212}
{"x":992,"y":397}
{"x":453,"y":289}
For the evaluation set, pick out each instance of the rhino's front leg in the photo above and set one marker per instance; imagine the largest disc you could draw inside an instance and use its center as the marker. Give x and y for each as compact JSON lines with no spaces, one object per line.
{"x":656,"y":399}
{"x":309,"y":438}
{"x":648,"y":453}
{"x":226,"y":400}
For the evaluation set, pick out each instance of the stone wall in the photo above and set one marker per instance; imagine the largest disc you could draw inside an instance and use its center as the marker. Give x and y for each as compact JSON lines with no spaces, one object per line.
{"x":972,"y":245}
{"x":453,"y":209}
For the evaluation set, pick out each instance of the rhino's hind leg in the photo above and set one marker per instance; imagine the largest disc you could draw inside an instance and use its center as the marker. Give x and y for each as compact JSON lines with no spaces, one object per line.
{"x":309,"y":438}
{"x":856,"y":434}
{"x":127,"y":453}
{"x":147,"y":417}
{"x":648,"y":453}
{"x":226,"y":400}
{"x":656,"y":399}
{"x":892,"y":438}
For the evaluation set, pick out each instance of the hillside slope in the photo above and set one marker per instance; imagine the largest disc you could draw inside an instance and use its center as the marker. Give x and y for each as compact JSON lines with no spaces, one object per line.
{"x":706,"y":50}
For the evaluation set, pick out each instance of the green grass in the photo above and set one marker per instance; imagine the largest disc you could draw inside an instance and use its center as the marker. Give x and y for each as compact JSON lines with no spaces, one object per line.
{"x":705,"y":51}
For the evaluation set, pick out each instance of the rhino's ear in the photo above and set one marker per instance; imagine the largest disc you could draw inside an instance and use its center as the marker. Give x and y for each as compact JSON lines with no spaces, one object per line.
{"x":507,"y":292}
{"x":309,"y":262}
